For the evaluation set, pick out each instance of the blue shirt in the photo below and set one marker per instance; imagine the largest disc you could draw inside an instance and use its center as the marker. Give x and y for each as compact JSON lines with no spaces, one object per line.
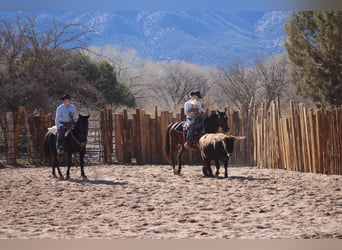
{"x":63,"y":114}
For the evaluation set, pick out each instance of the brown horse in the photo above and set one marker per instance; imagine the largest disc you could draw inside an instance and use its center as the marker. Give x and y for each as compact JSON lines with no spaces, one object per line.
{"x":175,"y":139}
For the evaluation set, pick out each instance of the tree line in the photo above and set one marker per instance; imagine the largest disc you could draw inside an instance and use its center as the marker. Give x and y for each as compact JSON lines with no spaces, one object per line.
{"x":38,"y":66}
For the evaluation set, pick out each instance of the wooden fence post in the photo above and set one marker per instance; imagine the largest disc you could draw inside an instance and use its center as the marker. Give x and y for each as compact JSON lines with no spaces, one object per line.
{"x":127,"y":127}
{"x":104,"y":135}
{"x":11,"y":156}
{"x":109,"y":135}
{"x":119,"y":143}
{"x":137,"y":134}
{"x":147,"y":139}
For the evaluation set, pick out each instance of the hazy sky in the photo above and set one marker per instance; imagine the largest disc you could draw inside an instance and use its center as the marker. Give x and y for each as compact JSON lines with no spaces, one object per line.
{"x":202,"y":5}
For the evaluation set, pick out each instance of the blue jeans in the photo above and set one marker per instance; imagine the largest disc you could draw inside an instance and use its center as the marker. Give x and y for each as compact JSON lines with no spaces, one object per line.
{"x":192,"y":124}
{"x":190,"y":131}
{"x":61,"y":132}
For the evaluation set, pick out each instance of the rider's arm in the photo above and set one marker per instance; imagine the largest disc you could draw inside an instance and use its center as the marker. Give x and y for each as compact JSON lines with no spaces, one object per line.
{"x":58,"y":117}
{"x":74,"y":112}
{"x":200,"y":108}
{"x":187,"y":107}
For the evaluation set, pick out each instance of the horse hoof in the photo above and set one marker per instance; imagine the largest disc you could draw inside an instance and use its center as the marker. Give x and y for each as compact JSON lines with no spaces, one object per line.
{"x":84,"y":177}
{"x":61,"y":178}
{"x":54,"y":176}
{"x":67,"y":177}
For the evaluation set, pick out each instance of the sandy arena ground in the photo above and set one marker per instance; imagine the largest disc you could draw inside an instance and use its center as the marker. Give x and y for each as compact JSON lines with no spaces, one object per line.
{"x":150,"y":202}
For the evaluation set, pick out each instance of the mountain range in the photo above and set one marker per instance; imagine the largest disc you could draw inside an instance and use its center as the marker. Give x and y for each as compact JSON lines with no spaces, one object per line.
{"x":210,"y":38}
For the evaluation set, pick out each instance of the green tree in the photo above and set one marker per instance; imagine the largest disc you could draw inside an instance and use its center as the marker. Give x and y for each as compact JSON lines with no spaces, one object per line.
{"x":102,"y":75}
{"x":314,"y":47}
{"x":38,"y":66}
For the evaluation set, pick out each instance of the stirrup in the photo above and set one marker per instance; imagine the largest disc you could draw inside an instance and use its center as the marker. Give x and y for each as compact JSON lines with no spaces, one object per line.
{"x":60,"y":150}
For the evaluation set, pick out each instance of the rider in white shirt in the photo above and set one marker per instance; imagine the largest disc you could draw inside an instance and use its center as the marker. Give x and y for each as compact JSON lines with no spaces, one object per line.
{"x":193,"y":110}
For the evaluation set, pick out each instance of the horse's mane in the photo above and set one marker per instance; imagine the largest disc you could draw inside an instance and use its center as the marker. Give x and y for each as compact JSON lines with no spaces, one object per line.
{"x":209,"y":121}
{"x":77,"y":128}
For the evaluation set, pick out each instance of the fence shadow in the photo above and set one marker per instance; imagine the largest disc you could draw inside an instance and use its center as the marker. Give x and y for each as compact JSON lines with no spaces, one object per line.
{"x":99,"y":182}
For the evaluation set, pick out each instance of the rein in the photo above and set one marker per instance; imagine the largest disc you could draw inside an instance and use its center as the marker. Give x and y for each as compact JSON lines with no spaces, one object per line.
{"x":81,"y":144}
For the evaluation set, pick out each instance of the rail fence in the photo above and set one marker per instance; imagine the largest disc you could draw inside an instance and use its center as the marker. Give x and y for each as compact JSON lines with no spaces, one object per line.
{"x":139,"y":137}
{"x":22,"y":138}
{"x":305,"y":140}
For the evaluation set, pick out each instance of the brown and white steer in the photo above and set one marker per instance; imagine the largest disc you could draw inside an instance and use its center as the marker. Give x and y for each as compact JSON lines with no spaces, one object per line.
{"x":216,"y":147}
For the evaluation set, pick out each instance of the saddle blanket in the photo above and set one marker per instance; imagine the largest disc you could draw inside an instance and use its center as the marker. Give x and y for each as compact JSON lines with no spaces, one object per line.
{"x":179,"y":126}
{"x":53,"y":130}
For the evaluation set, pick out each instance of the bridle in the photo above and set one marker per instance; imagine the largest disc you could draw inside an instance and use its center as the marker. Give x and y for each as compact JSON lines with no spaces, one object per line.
{"x":81,"y":144}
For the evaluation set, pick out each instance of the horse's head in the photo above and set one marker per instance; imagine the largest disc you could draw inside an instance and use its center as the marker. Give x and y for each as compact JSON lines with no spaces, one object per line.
{"x":215,"y":121}
{"x":222,"y":120}
{"x":82,"y":125}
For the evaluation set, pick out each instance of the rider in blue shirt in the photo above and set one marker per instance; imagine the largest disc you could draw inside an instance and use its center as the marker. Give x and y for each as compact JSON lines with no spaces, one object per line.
{"x":66,"y":113}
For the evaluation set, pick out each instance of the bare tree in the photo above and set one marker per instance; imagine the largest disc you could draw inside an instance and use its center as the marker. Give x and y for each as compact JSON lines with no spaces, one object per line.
{"x":273,"y":77}
{"x":238,"y":84}
{"x":32,"y":59}
{"x":174,"y":88}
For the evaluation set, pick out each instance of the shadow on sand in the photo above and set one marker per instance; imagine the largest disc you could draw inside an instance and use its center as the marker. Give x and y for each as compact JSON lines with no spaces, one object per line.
{"x":99,"y":182}
{"x":240,"y":178}
{"x":247,"y":178}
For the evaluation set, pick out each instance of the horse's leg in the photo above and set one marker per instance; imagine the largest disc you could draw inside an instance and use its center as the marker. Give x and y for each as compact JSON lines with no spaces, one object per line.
{"x":69,"y":155}
{"x":217,"y":163}
{"x":61,"y":177}
{"x":173,"y":156}
{"x":55,"y":164}
{"x":226,"y":168}
{"x":179,"y":157}
{"x":82,"y":153}
{"x":53,"y":168}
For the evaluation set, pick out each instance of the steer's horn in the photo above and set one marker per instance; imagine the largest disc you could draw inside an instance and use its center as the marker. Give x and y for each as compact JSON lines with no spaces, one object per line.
{"x":239,"y":138}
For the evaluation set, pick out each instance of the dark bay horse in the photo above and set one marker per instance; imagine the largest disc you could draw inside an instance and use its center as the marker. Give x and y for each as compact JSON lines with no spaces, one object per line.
{"x":174,"y":143}
{"x":75,"y":141}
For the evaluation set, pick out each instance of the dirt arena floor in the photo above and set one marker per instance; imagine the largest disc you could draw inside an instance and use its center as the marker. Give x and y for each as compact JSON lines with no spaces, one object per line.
{"x":150,"y":202}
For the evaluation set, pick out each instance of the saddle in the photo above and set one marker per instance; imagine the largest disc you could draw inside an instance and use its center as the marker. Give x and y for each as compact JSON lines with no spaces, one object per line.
{"x":181,"y":127}
{"x":53,"y":130}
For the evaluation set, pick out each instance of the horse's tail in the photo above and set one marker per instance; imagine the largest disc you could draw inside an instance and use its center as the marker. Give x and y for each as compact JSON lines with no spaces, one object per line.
{"x":49,"y":146}
{"x":167,"y":146}
{"x":46,"y":145}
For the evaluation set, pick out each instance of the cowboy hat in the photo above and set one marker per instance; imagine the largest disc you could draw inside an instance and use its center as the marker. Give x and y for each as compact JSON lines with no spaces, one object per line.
{"x":67,"y":96}
{"x":197,"y":93}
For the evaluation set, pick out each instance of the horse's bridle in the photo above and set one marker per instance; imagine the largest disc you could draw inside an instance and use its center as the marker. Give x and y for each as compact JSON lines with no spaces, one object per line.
{"x":81,"y":144}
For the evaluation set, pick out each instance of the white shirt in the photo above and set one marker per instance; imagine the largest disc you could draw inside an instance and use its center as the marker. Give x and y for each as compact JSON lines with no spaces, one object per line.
{"x":190,"y":110}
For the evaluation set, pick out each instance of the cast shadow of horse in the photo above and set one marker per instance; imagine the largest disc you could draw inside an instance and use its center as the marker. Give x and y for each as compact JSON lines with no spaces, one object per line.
{"x":247,"y":178}
{"x":99,"y":182}
{"x":239,"y":178}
